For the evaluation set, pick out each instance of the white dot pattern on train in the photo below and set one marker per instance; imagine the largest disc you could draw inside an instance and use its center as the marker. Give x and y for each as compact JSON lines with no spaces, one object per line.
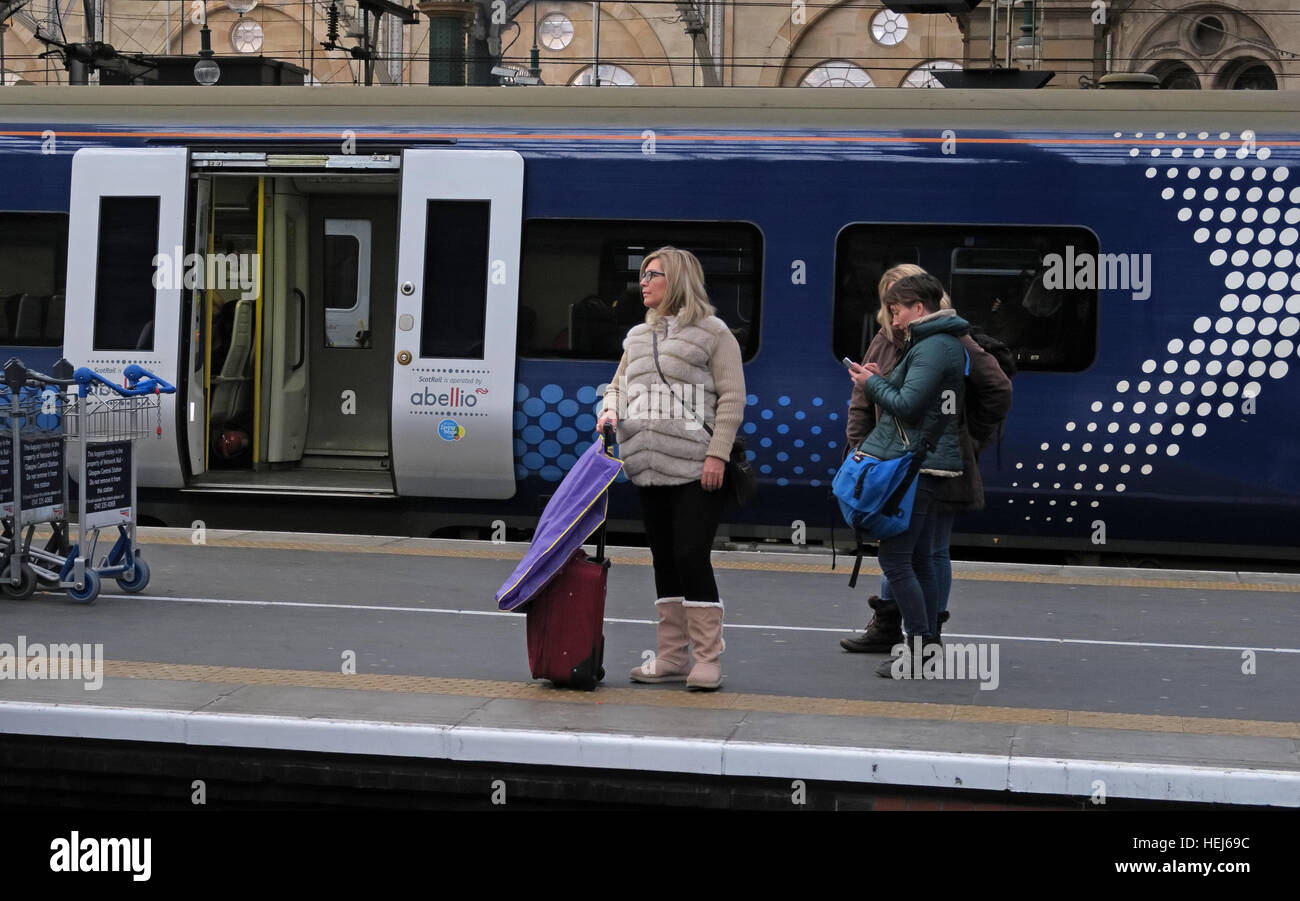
{"x":1212,"y":373}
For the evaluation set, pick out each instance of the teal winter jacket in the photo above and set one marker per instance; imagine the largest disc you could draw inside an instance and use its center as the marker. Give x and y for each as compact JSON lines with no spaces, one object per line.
{"x":912,"y":396}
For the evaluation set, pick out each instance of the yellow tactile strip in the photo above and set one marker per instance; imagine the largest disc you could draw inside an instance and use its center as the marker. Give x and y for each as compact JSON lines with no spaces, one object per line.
{"x":401,"y":548}
{"x":724,"y":700}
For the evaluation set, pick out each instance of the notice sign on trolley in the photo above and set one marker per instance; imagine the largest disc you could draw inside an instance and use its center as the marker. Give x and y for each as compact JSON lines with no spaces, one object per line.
{"x":42,"y":479}
{"x":108,"y":484}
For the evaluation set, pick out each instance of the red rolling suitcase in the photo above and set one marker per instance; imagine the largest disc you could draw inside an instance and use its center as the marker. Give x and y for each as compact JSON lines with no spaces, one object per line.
{"x":566,"y":621}
{"x":566,"y":618}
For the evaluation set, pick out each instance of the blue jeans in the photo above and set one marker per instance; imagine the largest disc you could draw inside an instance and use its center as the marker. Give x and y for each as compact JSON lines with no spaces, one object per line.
{"x":942,"y":557}
{"x":908,"y":563}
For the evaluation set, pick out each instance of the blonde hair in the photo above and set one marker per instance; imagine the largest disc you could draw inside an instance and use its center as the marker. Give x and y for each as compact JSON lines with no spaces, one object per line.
{"x":684,"y":294}
{"x":894,"y":274}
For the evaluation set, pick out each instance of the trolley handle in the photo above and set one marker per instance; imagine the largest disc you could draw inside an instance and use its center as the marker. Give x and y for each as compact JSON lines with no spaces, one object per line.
{"x":18,"y":377}
{"x":139,"y":381}
{"x":40,"y":380}
{"x":151,"y":383}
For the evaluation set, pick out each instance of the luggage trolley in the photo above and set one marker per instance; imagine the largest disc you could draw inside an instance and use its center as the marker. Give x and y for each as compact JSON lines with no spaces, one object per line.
{"x":104,"y":424}
{"x":33,"y":483}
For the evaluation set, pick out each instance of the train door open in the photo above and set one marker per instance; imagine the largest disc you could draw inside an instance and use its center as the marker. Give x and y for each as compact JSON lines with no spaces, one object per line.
{"x":457,"y":306}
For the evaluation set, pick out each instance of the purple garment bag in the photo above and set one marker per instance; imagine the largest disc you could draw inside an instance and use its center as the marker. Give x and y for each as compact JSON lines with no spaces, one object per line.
{"x":574,"y":513}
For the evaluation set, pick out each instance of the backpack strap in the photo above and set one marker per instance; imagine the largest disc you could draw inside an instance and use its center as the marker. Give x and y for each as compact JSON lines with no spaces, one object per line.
{"x":857,"y":562}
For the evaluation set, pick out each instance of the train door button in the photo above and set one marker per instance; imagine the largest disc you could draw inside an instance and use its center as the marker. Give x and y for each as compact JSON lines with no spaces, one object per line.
{"x":404,"y":357}
{"x":408,"y":288}
{"x":406,"y":322}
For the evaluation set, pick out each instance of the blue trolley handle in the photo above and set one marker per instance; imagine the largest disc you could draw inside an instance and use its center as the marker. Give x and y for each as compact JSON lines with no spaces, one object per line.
{"x":139,"y":381}
{"x":151,"y":383}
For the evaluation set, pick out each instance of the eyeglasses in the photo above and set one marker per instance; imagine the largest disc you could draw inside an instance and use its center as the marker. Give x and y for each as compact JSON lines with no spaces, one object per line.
{"x":649,"y":275}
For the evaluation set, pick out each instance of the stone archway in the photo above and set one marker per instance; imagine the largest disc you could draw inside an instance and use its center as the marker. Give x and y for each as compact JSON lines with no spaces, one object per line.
{"x":627,"y":39}
{"x":844,"y":32}
{"x":1186,"y":38}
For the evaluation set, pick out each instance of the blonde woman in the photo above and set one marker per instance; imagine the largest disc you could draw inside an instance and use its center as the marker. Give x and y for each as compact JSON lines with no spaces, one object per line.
{"x":677,"y":400}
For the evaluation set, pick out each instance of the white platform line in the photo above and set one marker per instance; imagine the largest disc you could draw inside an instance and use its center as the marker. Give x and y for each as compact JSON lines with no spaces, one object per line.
{"x":646,"y":622}
{"x":714,"y":757}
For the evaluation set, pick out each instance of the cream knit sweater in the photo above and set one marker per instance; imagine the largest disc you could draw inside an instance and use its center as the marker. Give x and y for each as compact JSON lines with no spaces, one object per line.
{"x":660,"y":441}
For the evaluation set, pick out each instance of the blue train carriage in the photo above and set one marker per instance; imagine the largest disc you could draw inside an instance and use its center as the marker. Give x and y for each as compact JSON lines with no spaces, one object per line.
{"x":416,"y":296}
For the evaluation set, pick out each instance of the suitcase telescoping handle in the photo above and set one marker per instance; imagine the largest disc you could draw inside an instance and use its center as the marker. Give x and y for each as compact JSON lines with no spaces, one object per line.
{"x":607,"y":435}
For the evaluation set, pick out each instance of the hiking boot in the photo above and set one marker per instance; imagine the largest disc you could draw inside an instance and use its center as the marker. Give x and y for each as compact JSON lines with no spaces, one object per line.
{"x":883,"y":632}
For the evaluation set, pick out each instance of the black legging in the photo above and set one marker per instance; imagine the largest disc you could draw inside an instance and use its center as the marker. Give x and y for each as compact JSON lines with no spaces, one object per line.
{"x":680,"y":522}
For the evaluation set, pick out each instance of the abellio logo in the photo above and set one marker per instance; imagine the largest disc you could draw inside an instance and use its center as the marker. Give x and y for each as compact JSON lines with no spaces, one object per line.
{"x":450,"y":398}
{"x":450,"y":430}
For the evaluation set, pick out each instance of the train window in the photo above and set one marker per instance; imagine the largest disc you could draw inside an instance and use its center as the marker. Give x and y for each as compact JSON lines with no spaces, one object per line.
{"x":347,"y":283}
{"x":33,"y":269}
{"x":124,"y":270}
{"x":580,"y":289}
{"x":1006,"y":280}
{"x":455,"y":279}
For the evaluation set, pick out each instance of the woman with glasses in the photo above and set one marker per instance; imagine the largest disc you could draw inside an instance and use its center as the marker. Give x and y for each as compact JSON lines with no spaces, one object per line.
{"x":677,"y":400}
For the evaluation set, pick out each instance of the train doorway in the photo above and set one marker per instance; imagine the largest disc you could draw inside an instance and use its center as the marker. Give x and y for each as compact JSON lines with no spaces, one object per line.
{"x":294,"y":363}
{"x":335,"y":323}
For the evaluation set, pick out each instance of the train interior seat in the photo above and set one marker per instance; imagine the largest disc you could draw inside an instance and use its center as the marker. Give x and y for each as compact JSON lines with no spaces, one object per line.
{"x":9,"y":314}
{"x":54,"y":319}
{"x":593,"y":329}
{"x":232,"y":389}
{"x":27,"y":328}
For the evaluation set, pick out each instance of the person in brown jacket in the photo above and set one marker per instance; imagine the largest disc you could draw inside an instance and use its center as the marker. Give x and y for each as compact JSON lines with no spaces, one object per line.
{"x":988,"y":400}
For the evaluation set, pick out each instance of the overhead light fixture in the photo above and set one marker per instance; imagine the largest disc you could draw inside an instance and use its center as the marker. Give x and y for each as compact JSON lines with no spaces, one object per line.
{"x":206,"y":70}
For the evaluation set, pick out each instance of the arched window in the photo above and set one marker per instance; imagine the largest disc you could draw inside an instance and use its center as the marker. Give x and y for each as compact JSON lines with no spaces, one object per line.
{"x":1177,"y":76}
{"x":923,"y":75}
{"x":1249,"y":75}
{"x":837,"y":73}
{"x":609,"y":75}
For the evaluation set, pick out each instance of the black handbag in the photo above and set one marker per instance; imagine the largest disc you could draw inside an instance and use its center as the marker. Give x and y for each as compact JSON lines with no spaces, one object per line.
{"x":739,"y":480}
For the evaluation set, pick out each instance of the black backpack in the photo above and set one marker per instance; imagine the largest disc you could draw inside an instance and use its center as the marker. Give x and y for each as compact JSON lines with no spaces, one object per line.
{"x":998,"y":349}
{"x":1006,"y":359}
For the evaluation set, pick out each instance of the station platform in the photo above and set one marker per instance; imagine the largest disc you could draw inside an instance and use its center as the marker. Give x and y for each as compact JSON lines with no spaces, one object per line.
{"x":1101,"y":685}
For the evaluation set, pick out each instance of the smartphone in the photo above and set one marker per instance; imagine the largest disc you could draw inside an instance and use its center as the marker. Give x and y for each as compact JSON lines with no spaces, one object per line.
{"x":848,"y":364}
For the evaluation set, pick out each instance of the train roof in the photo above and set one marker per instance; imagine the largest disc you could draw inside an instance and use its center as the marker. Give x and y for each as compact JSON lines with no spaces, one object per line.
{"x":542,"y":107}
